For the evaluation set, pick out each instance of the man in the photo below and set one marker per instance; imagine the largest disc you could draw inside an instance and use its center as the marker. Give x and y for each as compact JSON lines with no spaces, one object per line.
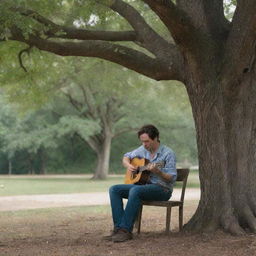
{"x":159,"y":186}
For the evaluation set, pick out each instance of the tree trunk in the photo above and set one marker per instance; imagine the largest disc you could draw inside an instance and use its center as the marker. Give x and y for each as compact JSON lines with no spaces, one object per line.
{"x":103,"y":157}
{"x":226,"y":123}
{"x":31,"y":164}
{"x":42,"y":166}
{"x":9,"y":167}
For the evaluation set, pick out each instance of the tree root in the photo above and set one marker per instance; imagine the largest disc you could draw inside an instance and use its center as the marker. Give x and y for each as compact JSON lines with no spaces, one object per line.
{"x":248,"y":217}
{"x":234,"y":228}
{"x":239,"y":224}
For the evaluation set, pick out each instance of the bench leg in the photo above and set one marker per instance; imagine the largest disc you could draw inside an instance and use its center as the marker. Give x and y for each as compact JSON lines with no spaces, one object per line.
{"x":168,"y":218}
{"x":139,"y":219}
{"x":180,"y":217}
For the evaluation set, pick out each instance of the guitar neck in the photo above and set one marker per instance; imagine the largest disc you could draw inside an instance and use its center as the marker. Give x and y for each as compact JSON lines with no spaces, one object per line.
{"x":144,"y":168}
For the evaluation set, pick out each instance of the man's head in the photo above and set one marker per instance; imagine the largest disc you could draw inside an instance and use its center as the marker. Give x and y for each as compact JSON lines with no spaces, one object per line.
{"x":150,"y":130}
{"x":149,"y":137}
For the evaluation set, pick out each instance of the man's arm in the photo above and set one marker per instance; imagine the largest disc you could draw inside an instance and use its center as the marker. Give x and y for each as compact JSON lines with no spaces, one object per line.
{"x":163,"y":175}
{"x":127,"y":164}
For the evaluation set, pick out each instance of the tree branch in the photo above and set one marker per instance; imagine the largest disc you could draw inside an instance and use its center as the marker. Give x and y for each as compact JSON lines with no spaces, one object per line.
{"x":115,"y":103}
{"x":241,"y":44}
{"x":27,"y":50}
{"x":82,"y":34}
{"x":147,"y":37}
{"x":76,"y":104}
{"x":190,"y":21}
{"x":145,"y":34}
{"x":56,"y":31}
{"x":167,"y":64}
{"x":88,"y":98}
{"x":122,"y":55}
{"x":217,"y":24}
{"x":94,"y":145}
{"x":176,"y":21}
{"x":125,"y":130}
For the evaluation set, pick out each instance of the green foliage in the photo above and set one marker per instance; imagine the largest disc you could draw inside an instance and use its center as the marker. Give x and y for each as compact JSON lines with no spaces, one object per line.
{"x":69,"y":125}
{"x":229,"y":8}
{"x":31,"y":134}
{"x":122,"y":91}
{"x":37,"y":131}
{"x":34,"y":87}
{"x":136,"y":99}
{"x":10,"y":19}
{"x":83,"y":13}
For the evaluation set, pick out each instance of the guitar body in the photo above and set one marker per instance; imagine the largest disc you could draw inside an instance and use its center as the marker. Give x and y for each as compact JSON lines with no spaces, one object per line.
{"x":140,"y":177}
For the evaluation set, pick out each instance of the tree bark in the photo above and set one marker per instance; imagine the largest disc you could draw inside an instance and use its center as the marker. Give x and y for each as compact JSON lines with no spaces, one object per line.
{"x":9,"y":167}
{"x":226,"y":123}
{"x":30,"y":161}
{"x":42,"y":157}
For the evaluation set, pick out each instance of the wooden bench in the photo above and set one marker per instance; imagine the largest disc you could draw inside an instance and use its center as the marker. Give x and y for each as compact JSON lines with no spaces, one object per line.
{"x":182,"y":176}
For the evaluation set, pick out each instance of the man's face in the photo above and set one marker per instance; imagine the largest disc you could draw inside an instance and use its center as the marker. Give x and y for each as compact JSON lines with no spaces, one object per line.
{"x":147,"y":142}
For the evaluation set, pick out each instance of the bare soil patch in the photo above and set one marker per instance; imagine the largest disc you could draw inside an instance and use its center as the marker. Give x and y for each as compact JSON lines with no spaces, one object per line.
{"x":78,"y":231}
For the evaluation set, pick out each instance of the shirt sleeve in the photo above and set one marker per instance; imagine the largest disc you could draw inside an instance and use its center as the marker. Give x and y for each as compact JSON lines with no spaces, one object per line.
{"x":138,"y":152}
{"x":170,"y":165}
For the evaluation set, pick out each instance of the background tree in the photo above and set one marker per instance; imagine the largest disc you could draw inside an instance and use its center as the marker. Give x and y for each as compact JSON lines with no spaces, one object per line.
{"x":33,"y":134}
{"x":213,"y":56}
{"x":116,"y":100}
{"x":95,"y":97}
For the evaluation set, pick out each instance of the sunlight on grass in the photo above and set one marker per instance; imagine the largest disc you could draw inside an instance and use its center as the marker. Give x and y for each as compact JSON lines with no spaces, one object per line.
{"x":61,"y":184}
{"x":57,"y":185}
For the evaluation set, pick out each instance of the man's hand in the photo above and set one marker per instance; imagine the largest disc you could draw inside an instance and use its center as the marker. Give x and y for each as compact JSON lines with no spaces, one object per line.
{"x":131,"y":168}
{"x":153,"y":168}
{"x":127,"y":164}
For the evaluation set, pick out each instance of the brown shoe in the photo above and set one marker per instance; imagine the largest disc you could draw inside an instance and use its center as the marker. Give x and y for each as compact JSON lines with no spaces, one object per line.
{"x":109,"y":237}
{"x":122,"y":235}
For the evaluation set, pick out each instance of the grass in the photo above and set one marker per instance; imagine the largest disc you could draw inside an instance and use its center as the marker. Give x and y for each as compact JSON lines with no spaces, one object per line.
{"x":64,"y":184}
{"x":53,"y":185}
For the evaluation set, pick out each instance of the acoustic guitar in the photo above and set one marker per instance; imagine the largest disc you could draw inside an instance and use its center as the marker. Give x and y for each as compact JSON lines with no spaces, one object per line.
{"x":141,"y":174}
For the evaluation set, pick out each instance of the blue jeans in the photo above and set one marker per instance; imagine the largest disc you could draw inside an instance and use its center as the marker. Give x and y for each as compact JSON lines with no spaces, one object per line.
{"x":125,"y":218}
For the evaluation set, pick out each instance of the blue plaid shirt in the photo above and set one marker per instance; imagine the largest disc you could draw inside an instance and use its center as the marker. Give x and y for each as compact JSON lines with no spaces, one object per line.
{"x":163,"y":154}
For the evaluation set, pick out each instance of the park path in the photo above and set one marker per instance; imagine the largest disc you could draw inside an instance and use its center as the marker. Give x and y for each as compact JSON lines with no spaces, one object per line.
{"x":14,"y":203}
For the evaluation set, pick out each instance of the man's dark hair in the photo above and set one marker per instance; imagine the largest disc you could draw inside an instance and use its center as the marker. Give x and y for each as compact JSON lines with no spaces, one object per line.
{"x":150,"y":130}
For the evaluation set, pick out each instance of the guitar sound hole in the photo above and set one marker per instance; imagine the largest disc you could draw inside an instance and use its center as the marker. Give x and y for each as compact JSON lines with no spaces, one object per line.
{"x":137,"y":171}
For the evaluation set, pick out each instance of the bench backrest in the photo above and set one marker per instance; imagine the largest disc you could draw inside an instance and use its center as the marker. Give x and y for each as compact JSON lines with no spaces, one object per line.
{"x":182,"y":176}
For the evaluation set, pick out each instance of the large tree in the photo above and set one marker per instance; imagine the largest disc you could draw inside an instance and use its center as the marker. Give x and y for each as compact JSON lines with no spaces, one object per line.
{"x":212,"y":56}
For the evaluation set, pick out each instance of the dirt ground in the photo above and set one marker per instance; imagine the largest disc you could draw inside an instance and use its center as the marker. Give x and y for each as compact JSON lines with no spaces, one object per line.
{"x":78,"y":231}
